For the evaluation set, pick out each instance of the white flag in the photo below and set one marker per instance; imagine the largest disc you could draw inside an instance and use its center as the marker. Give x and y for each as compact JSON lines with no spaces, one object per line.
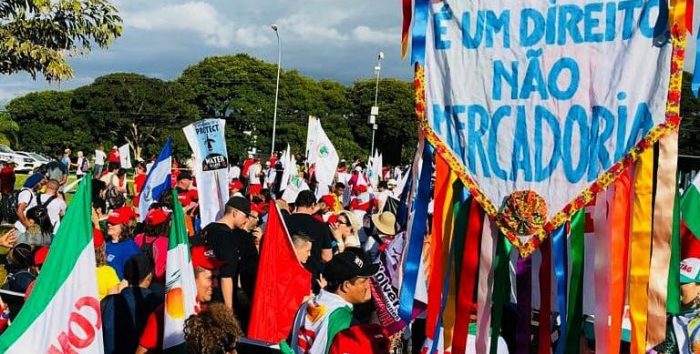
{"x":125,"y":156}
{"x":324,"y":155}
{"x":311,"y":136}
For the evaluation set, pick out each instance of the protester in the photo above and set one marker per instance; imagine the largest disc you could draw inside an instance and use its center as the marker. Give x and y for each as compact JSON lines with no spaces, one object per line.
{"x":385,"y":227}
{"x":124,"y":315}
{"x":235,"y":247}
{"x":302,"y":220}
{"x":26,"y":200}
{"x":57,"y":170}
{"x":107,"y":280}
{"x":235,"y":188}
{"x":320,"y":319}
{"x":54,"y":204}
{"x":345,"y":230}
{"x":120,"y":247}
{"x":153,"y":241}
{"x":204,"y":264}
{"x":213,"y":331}
{"x":7,"y":179}
{"x":255,"y":172}
{"x":82,"y":165}
{"x":65,"y":160}
{"x":100,"y":158}
{"x":113,"y":158}
{"x":139,"y":181}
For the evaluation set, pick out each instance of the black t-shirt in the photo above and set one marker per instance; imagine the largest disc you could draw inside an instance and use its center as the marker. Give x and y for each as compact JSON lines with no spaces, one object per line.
{"x":236,"y":248}
{"x":321,"y":238}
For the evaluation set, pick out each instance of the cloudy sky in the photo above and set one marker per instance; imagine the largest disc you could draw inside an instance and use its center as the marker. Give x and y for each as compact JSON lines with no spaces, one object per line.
{"x":334,"y":39}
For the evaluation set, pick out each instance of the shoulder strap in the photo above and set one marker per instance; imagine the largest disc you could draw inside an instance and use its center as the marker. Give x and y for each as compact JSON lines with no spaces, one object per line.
{"x":31,"y":194}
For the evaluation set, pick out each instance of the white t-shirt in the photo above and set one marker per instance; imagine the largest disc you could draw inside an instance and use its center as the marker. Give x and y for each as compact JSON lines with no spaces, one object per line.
{"x":253,"y":172}
{"x":100,"y":157}
{"x":26,"y":196}
{"x":56,"y":208}
{"x":79,"y":171}
{"x":234,"y":172}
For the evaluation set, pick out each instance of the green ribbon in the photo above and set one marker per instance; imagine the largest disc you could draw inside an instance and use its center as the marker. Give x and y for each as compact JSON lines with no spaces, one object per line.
{"x":575,"y":310}
{"x":673,"y":298}
{"x":459,"y":235}
{"x":501,"y":286}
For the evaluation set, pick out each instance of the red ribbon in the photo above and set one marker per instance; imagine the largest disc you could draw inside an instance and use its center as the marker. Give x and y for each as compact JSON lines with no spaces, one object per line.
{"x":407,"y":15}
{"x":467,"y":281}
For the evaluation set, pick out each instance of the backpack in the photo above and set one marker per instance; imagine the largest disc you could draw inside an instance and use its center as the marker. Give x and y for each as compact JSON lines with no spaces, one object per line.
{"x":41,"y":213}
{"x":85,"y":165}
{"x":10,"y":204}
{"x":147,"y":247}
{"x":114,"y":198}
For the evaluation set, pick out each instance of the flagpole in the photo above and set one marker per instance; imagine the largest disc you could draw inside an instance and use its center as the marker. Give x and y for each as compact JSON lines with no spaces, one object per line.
{"x":277,"y":87}
{"x":375,"y":108}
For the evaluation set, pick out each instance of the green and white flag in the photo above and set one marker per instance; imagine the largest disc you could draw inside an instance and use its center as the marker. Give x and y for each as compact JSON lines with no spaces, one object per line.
{"x":181,"y":290}
{"x":62,"y":315}
{"x":690,"y":206}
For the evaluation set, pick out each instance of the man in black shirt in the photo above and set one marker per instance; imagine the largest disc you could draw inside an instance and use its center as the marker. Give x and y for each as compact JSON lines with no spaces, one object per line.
{"x":235,"y":247}
{"x":320,"y":234}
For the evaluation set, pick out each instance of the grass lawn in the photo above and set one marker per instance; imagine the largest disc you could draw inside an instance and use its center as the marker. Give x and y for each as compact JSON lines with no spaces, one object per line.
{"x":20,"y":178}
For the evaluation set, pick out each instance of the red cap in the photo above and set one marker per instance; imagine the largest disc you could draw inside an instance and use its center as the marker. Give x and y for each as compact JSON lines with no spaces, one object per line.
{"x":256,"y":208}
{"x":128,"y":212}
{"x":361,"y":188}
{"x":40,"y":255}
{"x":329,"y":200}
{"x":235,"y":185}
{"x":201,"y":257}
{"x":333,"y":219}
{"x":118,"y":217}
{"x":98,"y":238}
{"x":156,"y":217}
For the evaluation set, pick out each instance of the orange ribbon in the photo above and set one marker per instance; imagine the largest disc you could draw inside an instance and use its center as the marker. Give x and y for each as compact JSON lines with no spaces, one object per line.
{"x":640,"y":248}
{"x":661,"y":244}
{"x":619,"y":246}
{"x":677,"y":15}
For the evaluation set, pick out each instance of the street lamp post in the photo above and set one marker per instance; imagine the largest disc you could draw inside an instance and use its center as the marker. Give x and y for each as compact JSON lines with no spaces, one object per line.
{"x":375,"y":109}
{"x":277,"y":87}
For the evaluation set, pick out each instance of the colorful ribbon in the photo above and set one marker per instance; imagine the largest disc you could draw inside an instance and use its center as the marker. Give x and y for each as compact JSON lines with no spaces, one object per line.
{"x":661,"y":242}
{"x":417,"y":232}
{"x":468,"y":276}
{"x":695,"y":85}
{"x":575,"y":312}
{"x":677,"y":15}
{"x":406,"y":25}
{"x":524,"y":306}
{"x":602,"y":255}
{"x":489,"y":237}
{"x":640,"y":248}
{"x":673,"y":300}
{"x":545,"y":334}
{"x":619,"y":246}
{"x":442,"y":200}
{"x":420,"y":25}
{"x":453,"y":237}
{"x":500,"y":291}
{"x":560,"y":273}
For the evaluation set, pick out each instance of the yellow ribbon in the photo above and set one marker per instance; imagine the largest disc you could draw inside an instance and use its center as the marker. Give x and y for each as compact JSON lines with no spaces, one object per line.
{"x":640,"y":249}
{"x":661,"y":244}
{"x":677,"y":15}
{"x":448,"y":319}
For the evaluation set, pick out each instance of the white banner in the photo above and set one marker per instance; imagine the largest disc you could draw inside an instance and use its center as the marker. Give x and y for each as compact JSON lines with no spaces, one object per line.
{"x":207,"y":140}
{"x":541,"y":96}
{"x":125,"y":156}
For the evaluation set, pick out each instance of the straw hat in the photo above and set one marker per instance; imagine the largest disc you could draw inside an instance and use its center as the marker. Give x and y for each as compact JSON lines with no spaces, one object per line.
{"x":385,"y":222}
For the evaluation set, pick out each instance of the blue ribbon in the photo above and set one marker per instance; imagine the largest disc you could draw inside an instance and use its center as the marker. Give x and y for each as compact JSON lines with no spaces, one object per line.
{"x":416,"y":238}
{"x":560,"y":272}
{"x":695,"y":85}
{"x":420,"y":25}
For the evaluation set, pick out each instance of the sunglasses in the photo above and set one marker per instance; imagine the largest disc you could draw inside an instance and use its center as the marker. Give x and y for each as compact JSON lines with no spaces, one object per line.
{"x":344,"y":222}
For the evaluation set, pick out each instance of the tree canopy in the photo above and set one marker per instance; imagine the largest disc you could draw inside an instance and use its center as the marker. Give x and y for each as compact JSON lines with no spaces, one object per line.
{"x":37,"y":35}
{"x":142,"y":111}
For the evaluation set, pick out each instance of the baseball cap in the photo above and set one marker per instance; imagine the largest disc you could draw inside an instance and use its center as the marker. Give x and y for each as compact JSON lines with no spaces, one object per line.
{"x":33,"y":180}
{"x":347,"y":265}
{"x":40,"y":255}
{"x":239,"y":203}
{"x":235,"y":185}
{"x":128,"y":212}
{"x":118,"y":217}
{"x":202,"y":257}
{"x":156,"y":217}
{"x":328,"y":200}
{"x":137,"y":268}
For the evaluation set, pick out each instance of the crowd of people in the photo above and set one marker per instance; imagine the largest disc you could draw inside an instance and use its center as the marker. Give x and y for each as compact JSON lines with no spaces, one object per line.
{"x":336,"y":236}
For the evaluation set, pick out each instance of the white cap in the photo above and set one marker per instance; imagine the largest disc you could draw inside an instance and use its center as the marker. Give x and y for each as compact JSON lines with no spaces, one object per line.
{"x":358,"y":168}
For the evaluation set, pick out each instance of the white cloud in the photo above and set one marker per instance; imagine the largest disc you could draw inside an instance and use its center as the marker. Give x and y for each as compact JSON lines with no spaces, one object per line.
{"x":200,"y":18}
{"x":369,"y":35}
{"x":313,"y":28}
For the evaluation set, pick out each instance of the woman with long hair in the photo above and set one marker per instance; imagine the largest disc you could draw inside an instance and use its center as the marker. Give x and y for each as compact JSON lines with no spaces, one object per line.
{"x":120,"y":245}
{"x":213,"y":331}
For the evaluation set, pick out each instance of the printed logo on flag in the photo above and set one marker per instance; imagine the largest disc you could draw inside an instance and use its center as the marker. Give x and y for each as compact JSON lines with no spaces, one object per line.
{"x":212,"y":144}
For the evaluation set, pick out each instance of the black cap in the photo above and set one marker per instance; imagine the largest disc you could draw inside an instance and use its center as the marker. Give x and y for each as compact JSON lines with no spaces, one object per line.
{"x":347,"y":265}
{"x":239,"y":203}
{"x":137,"y":268}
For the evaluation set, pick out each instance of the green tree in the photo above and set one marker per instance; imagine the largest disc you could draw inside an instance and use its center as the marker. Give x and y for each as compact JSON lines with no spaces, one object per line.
{"x":8,"y":129}
{"x":38,"y":35}
{"x":396,"y":135}
{"x":135,"y":109}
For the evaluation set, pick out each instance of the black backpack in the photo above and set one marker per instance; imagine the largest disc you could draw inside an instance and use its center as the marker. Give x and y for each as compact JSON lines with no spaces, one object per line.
{"x":147,"y":247}
{"x":40,"y":213}
{"x":114,"y":197}
{"x":10,"y":204}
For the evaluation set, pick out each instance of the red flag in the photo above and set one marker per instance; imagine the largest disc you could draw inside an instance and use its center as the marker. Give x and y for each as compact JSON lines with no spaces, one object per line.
{"x":281,"y":284}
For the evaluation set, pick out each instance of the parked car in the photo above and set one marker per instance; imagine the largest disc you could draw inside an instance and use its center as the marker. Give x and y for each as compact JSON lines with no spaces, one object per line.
{"x":36,"y":159}
{"x":23,"y":163}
